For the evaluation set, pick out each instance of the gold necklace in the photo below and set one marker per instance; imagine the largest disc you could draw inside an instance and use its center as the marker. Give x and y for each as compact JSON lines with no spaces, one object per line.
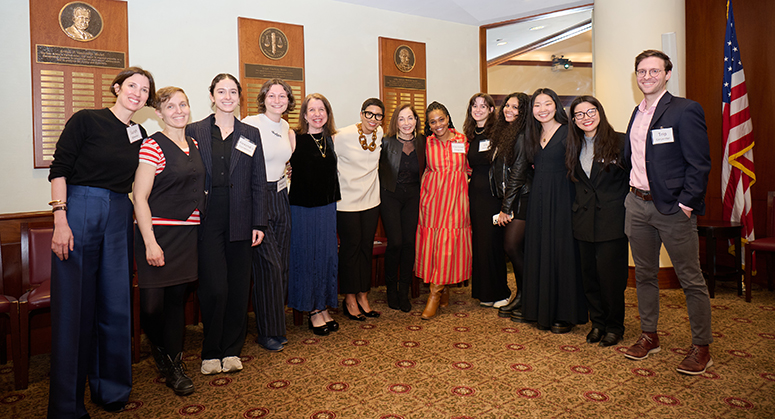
{"x":321,"y":143}
{"x":476,"y":130}
{"x":362,"y":138}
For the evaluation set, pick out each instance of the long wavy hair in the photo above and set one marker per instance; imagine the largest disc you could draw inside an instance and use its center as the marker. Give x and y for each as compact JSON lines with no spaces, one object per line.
{"x":469,"y":125}
{"x":436,"y":106}
{"x":503,"y":134}
{"x":606,"y":140}
{"x":533,"y":127}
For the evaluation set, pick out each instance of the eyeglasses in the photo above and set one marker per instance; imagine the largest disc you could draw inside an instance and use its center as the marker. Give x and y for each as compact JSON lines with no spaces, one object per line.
{"x":653,"y":72}
{"x":591,"y":112}
{"x":370,"y":115}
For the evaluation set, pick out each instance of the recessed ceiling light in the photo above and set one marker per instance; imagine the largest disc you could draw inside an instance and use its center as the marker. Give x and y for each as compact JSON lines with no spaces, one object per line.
{"x":535,"y":28}
{"x":500,"y":44}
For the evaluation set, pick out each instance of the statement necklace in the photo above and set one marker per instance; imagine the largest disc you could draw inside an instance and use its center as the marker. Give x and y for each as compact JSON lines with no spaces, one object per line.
{"x":321,"y":143}
{"x":362,"y":138}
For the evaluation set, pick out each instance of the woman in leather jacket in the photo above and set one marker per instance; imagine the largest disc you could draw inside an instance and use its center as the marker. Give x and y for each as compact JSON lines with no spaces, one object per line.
{"x":510,"y":178}
{"x":401,"y":165}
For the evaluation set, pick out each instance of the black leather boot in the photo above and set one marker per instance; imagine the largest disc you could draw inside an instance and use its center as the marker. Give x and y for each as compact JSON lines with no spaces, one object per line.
{"x":159,"y":355}
{"x":177,"y":379}
{"x":403,"y":297}
{"x":392,"y":294}
{"x":515,"y":304}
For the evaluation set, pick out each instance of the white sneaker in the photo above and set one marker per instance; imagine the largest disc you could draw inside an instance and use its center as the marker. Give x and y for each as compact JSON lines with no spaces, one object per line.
{"x":501,"y":303}
{"x":231,"y":364}
{"x":211,"y":366}
{"x":485,"y":304}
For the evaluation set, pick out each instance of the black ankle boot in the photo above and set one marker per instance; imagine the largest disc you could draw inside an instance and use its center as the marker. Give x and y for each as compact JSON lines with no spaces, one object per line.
{"x":177,"y":379}
{"x":403,"y":297}
{"x":392,"y":294}
{"x":159,"y":355}
{"x":514,"y":305}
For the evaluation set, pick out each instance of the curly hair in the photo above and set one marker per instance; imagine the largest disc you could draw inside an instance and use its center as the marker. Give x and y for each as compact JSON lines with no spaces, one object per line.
{"x":436,"y":106}
{"x":503,"y":134}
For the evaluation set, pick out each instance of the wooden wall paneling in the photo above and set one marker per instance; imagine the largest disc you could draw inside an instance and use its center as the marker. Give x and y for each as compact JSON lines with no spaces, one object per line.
{"x":705,"y":29}
{"x":397,"y":87}
{"x":270,"y":50}
{"x":483,"y":82}
{"x":69,"y":74}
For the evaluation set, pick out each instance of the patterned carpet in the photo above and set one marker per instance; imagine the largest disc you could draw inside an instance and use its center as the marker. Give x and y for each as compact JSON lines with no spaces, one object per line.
{"x":466,"y":363}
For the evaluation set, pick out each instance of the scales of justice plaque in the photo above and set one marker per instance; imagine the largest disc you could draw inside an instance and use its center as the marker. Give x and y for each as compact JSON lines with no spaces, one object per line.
{"x":77,"y":49}
{"x":269,"y":50}
{"x":402,"y":76}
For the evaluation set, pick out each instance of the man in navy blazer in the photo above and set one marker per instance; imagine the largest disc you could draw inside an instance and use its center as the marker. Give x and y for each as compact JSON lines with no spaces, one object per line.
{"x":667,"y":144}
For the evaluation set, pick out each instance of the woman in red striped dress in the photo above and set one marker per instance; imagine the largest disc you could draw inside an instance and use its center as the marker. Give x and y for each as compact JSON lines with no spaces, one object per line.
{"x":444,"y":231}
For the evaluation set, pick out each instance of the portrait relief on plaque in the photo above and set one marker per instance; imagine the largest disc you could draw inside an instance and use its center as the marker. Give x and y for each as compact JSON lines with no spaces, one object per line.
{"x":80,"y":21}
{"x":273,"y":43}
{"x":404,"y":58}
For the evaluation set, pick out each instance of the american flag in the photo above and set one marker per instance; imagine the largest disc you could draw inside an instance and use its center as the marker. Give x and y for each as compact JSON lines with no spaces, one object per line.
{"x":737,"y":173}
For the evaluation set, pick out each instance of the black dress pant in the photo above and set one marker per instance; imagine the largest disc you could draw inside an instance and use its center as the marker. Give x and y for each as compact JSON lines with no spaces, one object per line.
{"x":400,"y":211}
{"x":604,"y":275}
{"x":224,"y":282}
{"x":356,"y":243}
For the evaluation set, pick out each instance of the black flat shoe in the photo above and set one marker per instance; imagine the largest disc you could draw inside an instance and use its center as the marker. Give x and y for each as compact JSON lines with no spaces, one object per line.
{"x":360,"y":317}
{"x":610,"y":339}
{"x":516,"y":316}
{"x":561,"y":327}
{"x":514,"y":305}
{"x":594,"y":335}
{"x":318,"y":330}
{"x":371,"y":313}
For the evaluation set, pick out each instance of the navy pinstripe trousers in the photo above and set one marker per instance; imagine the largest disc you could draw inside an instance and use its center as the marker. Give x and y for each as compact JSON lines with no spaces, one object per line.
{"x":270,"y":265}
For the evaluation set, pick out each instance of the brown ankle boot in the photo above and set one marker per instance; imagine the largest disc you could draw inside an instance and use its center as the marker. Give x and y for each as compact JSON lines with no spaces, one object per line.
{"x":444,"y":302}
{"x":433,"y":302}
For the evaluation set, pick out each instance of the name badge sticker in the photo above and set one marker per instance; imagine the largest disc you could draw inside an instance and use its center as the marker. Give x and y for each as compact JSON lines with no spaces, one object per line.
{"x":662,"y":136}
{"x":459,"y":148}
{"x":484,"y":145}
{"x":133,"y":131}
{"x":246,"y":146}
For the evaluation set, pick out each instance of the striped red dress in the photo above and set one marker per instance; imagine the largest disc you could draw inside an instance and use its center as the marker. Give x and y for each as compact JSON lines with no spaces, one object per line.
{"x":443,"y":246}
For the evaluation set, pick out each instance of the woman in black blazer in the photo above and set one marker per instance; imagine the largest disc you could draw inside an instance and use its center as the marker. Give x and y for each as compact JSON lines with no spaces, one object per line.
{"x":401,"y":165}
{"x":234,"y":220}
{"x":594,"y":160}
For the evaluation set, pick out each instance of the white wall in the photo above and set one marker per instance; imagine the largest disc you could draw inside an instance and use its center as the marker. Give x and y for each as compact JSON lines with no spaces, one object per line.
{"x":505,"y":79}
{"x":187,"y":43}
{"x":621,"y":31}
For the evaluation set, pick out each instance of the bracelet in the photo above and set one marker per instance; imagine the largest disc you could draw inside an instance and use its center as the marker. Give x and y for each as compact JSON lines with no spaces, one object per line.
{"x":57,"y":202}
{"x":59,"y":208}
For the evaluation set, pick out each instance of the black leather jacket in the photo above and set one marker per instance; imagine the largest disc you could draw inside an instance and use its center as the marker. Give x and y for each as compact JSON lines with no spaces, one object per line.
{"x":390,"y":160}
{"x":510,"y":182}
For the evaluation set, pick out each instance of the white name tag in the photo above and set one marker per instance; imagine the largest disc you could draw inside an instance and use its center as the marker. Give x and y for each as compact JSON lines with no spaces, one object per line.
{"x":133,"y":131}
{"x":484,"y":145}
{"x":246,"y":146}
{"x":282,"y":183}
{"x":459,"y":148}
{"x":662,"y":136}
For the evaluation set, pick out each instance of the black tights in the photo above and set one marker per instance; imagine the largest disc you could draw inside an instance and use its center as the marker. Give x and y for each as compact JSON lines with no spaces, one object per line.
{"x":514,"y":245}
{"x":163,"y":316}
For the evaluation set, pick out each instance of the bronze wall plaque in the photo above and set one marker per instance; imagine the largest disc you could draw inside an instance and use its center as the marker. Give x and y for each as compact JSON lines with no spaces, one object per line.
{"x":260,"y":71}
{"x":80,"y":21}
{"x":66,"y":77}
{"x":273,"y":43}
{"x":270,"y":50}
{"x":402,"y":76}
{"x":51,"y":54}
{"x":404,"y":58}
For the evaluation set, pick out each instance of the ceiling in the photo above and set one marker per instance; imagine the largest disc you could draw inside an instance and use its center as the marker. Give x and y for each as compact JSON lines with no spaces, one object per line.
{"x":471,"y":12}
{"x":555,"y":20}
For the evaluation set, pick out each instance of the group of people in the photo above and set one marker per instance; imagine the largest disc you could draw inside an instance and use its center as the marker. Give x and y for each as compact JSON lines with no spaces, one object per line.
{"x":520,"y":181}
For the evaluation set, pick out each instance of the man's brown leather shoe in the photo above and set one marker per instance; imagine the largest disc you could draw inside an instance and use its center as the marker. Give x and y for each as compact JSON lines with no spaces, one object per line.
{"x":647,"y":344}
{"x":697,"y":361}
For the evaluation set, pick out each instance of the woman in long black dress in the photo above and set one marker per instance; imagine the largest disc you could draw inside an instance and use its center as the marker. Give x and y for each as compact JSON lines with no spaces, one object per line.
{"x":553,"y":294}
{"x":488,"y":271}
{"x":595,"y":165}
